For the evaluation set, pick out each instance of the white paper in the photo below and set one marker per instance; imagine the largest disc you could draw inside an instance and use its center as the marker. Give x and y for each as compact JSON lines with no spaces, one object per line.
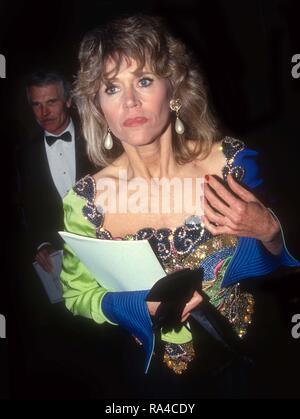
{"x":51,"y":281}
{"x":117,"y":265}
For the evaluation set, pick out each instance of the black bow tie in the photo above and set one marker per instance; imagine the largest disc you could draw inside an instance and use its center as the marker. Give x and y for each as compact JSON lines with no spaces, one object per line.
{"x":66,"y":136}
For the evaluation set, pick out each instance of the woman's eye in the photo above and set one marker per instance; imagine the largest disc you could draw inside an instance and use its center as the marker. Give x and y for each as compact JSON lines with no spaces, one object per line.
{"x":145,"y":82}
{"x":110,"y":90}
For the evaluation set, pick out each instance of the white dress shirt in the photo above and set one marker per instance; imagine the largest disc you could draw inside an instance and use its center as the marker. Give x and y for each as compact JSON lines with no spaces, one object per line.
{"x":61,"y":160}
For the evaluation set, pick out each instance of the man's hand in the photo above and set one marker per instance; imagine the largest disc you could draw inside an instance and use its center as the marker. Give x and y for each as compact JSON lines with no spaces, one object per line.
{"x":44,"y":259}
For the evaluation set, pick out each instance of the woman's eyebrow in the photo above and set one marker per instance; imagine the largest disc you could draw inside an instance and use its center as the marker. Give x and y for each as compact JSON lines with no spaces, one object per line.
{"x":136,"y":73}
{"x":107,"y":81}
{"x":141,"y":71}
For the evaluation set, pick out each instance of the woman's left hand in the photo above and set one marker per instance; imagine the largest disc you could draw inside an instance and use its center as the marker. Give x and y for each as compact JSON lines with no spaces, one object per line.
{"x":239,"y":213}
{"x":190,"y":305}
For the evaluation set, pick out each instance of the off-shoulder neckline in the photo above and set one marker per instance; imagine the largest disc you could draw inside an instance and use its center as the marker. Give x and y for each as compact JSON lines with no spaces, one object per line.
{"x":230,"y":154}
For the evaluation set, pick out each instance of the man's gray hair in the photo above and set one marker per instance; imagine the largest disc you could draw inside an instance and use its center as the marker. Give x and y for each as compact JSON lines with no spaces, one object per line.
{"x":44,"y":78}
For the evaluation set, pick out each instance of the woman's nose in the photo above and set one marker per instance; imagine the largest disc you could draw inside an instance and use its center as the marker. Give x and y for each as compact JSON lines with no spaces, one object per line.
{"x":131,"y":99}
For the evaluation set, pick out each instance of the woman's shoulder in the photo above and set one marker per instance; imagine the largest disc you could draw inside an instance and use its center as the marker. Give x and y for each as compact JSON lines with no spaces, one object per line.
{"x":221,"y":156}
{"x":111,"y":171}
{"x":86,"y":187}
{"x":241,"y":161}
{"x":231,"y":155}
{"x":83,"y":188}
{"x":80,"y":213}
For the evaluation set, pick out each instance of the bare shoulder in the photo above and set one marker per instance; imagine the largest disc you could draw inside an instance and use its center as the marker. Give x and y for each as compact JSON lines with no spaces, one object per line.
{"x":111,"y":171}
{"x":214,"y":162}
{"x":107,"y":171}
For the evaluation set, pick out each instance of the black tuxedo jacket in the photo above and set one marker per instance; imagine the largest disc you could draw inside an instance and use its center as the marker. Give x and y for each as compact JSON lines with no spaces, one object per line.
{"x":41,"y":204}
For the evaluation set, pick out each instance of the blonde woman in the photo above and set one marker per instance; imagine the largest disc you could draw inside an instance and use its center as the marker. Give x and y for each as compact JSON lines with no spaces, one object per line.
{"x":145,"y":115}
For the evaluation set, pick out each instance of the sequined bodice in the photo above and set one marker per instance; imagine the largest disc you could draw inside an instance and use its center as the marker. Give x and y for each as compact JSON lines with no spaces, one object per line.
{"x":189,"y":245}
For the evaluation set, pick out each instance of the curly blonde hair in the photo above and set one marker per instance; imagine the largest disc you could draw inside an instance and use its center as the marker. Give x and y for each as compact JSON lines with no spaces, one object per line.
{"x":144,"y":39}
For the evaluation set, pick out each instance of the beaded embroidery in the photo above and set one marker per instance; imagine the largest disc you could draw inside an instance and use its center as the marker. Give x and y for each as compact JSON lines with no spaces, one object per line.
{"x":231,"y":147}
{"x":187,"y":246}
{"x":235,"y":305}
{"x":178,"y":356}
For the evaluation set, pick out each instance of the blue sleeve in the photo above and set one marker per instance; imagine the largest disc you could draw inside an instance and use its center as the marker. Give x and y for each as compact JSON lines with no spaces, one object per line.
{"x":251,"y":258}
{"x":129,"y":310}
{"x":248,"y":160}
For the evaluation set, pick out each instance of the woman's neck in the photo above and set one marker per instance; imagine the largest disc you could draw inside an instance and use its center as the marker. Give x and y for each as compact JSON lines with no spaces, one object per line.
{"x":151,"y":160}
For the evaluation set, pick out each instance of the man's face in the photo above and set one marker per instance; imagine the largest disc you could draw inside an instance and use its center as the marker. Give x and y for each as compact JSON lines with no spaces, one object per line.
{"x":50,"y":107}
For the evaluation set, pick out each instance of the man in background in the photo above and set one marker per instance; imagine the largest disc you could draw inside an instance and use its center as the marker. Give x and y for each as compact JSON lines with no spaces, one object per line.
{"x":59,"y":348}
{"x":50,"y":165}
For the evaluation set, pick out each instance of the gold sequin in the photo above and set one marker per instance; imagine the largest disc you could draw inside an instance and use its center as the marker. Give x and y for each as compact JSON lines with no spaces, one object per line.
{"x":193,"y":260}
{"x":179,"y":362}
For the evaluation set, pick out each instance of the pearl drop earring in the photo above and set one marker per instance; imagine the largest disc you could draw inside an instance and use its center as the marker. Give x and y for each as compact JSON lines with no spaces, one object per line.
{"x":175,"y":105}
{"x":108,"y":141}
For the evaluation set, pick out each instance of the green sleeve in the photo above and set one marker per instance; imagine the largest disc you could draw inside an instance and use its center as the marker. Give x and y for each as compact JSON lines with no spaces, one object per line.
{"x":81,"y":291}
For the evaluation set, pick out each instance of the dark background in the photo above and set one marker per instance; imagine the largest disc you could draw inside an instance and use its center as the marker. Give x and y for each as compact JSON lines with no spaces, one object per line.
{"x":245,"y":49}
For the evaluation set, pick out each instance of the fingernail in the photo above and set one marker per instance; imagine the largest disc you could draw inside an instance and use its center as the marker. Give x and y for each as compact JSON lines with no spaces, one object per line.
{"x":206,"y":178}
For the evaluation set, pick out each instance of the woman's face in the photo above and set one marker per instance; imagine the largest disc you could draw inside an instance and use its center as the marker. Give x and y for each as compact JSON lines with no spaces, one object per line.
{"x":135,"y":103}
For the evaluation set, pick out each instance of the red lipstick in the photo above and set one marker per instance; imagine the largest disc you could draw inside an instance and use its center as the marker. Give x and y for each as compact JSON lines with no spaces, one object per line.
{"x":133,"y":122}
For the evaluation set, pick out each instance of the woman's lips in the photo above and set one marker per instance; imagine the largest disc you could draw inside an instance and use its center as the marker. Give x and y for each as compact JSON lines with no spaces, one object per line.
{"x":133,"y":122}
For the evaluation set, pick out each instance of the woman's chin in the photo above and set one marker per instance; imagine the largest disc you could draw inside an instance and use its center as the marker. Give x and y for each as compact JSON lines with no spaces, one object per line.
{"x":139,"y":142}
